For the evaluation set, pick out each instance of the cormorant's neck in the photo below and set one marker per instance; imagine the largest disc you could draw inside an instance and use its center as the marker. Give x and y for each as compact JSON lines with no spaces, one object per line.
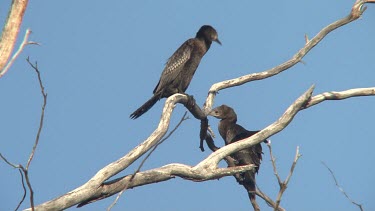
{"x":229,"y":120}
{"x":206,"y":41}
{"x":225,"y":125}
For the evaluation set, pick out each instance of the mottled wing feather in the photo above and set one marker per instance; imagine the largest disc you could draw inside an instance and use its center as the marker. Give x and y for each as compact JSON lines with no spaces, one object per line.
{"x":175,"y":65}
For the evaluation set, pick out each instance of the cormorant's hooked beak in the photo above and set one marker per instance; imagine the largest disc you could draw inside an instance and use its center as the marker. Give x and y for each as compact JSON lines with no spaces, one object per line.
{"x":214,"y":113}
{"x":218,"y":41}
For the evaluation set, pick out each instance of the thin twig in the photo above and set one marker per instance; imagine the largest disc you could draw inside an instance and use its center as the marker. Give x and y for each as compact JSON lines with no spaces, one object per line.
{"x":267,"y":199}
{"x":273,"y":161}
{"x":35,"y":67}
{"x":340,"y":188}
{"x":147,"y":156}
{"x":26,"y":173}
{"x":24,"y":191}
{"x":297,"y":156}
{"x":26,"y":170}
{"x":283,"y":185}
{"x":9,"y":163}
{"x":22,"y":171}
{"x":24,"y":43}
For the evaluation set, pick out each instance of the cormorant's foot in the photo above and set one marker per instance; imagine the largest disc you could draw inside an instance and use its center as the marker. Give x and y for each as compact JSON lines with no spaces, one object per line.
{"x":240,"y":178}
{"x":201,"y":146}
{"x":191,"y":101}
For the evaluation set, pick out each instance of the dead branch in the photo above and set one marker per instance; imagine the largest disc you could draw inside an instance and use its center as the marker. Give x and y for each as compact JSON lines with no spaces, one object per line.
{"x":44,"y":94}
{"x":25,"y":170}
{"x":282,"y":184}
{"x":356,"y":12}
{"x":141,"y":178}
{"x":10,"y":31}
{"x":142,"y":163}
{"x":24,"y":190}
{"x":268,"y":200}
{"x":340,"y":95}
{"x":341,"y":189}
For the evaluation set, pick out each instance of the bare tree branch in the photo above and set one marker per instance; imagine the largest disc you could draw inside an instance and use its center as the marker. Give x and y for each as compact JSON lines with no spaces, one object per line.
{"x":342,"y":189}
{"x":355,"y":13}
{"x":22,"y":169}
{"x":142,"y":163}
{"x":9,"y":163}
{"x":340,"y":95}
{"x":89,"y":188}
{"x":284,"y":185}
{"x":267,"y":199}
{"x":273,"y":161}
{"x":24,"y":190}
{"x":10,"y":31}
{"x":44,"y":94}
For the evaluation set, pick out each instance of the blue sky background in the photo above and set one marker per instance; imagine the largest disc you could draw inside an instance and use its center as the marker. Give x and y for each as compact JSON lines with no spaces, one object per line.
{"x":101,"y":60}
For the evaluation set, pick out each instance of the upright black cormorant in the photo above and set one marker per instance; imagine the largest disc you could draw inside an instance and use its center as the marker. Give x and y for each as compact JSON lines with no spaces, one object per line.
{"x":231,"y":132}
{"x":181,"y":67}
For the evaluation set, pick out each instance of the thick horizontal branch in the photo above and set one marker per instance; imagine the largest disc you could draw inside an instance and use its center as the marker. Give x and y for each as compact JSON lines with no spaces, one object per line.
{"x":356,"y":12}
{"x":162,"y":174}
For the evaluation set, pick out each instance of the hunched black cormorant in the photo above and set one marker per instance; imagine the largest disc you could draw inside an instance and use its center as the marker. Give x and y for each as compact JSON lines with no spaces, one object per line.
{"x":180,"y":67}
{"x":231,"y":132}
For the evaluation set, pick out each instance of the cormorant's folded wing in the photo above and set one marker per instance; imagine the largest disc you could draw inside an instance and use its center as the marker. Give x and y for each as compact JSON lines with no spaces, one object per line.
{"x":175,"y":65}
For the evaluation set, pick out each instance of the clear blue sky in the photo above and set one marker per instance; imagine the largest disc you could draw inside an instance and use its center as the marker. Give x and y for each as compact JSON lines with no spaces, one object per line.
{"x":101,"y":61}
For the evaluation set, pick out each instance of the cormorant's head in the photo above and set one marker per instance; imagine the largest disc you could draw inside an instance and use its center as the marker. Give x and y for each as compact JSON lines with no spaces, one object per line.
{"x":223,"y":112}
{"x":208,"y":33}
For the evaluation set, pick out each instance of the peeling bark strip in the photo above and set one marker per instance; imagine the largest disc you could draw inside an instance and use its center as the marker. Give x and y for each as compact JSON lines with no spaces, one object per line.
{"x":10,"y":30}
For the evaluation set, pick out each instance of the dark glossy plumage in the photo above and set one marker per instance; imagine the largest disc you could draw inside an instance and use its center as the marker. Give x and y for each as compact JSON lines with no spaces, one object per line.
{"x":180,"y":67}
{"x":231,"y":132}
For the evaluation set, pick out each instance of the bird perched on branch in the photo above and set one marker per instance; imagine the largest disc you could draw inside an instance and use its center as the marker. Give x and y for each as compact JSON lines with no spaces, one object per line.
{"x":231,"y":132}
{"x":181,"y":67}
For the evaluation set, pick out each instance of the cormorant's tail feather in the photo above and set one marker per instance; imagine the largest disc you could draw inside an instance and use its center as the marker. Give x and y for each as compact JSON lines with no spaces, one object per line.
{"x":145,"y":107}
{"x":249,"y":184}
